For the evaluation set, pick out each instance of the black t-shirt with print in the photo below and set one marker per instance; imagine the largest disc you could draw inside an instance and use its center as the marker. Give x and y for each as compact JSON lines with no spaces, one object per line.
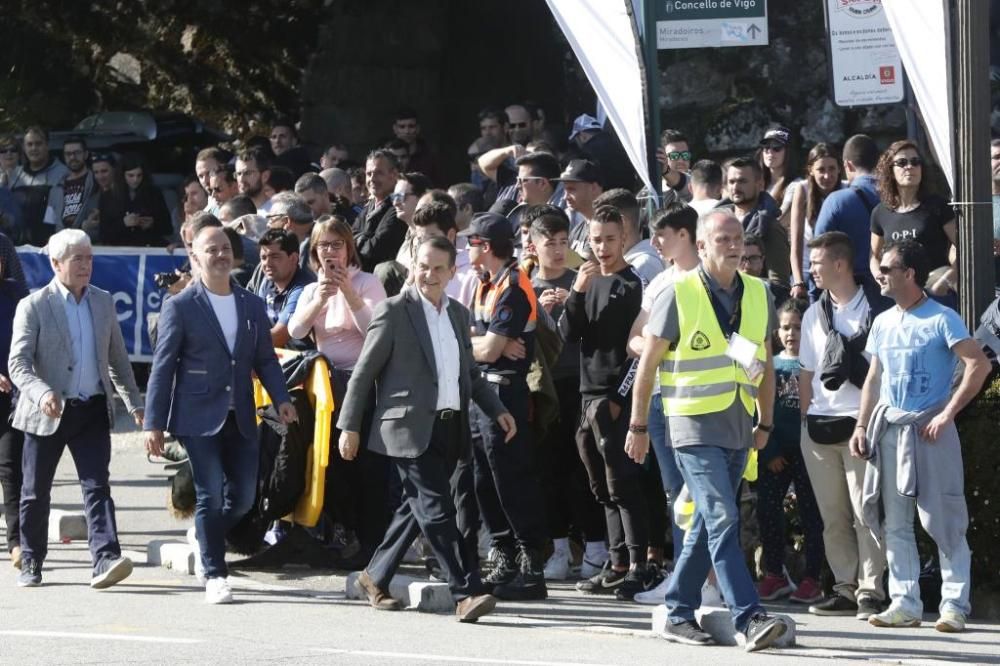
{"x":925,"y":224}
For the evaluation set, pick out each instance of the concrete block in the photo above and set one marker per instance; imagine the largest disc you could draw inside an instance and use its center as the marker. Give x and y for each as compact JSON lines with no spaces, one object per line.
{"x":66,"y":526}
{"x":718,"y":623}
{"x":171,"y":554}
{"x":413,"y":593}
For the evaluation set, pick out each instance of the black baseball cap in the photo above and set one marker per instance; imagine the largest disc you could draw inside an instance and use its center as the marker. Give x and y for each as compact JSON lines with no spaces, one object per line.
{"x":490,"y":227}
{"x":581,"y":171}
{"x":776,"y":135}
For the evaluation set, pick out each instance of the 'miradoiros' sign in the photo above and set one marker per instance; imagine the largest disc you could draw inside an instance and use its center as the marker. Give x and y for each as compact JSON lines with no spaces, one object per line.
{"x":689,"y":24}
{"x":865,"y":67}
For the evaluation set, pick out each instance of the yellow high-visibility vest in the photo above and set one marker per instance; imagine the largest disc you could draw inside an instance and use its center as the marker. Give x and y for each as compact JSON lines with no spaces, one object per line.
{"x":696,"y":376}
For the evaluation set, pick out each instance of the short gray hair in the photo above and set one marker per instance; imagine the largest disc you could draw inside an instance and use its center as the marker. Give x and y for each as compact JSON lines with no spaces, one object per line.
{"x":705,"y":221}
{"x":335,"y":178}
{"x":63,"y":241}
{"x":292,"y":205}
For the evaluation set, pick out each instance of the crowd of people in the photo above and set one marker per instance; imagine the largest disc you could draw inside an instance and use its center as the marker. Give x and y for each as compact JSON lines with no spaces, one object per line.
{"x":539,"y":356}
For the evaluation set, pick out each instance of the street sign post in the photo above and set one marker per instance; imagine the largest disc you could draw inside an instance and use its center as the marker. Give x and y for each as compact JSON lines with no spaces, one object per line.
{"x":865,"y":67}
{"x":692,"y":24}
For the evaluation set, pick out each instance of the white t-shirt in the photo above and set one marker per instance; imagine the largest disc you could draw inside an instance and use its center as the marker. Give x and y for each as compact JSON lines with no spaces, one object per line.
{"x":847,"y":320}
{"x":225,"y":312}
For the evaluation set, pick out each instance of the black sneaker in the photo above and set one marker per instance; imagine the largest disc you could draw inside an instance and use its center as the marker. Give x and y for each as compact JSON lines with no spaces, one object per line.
{"x":640,"y":579}
{"x":31,"y":573}
{"x":603,"y":583}
{"x":501,"y":568}
{"x":687,"y":632}
{"x":111,"y":571}
{"x":763,"y":631}
{"x":529,"y":583}
{"x":868,"y":607}
{"x":835,"y":604}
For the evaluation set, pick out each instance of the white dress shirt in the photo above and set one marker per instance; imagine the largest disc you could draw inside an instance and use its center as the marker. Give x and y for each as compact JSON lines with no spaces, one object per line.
{"x":445,"y":344}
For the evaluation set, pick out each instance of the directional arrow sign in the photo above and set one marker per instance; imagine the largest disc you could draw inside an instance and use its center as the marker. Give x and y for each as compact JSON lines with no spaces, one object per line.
{"x":689,"y":24}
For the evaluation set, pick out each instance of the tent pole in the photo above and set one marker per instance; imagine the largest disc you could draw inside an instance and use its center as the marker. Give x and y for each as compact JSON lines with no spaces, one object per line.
{"x":971,"y":78}
{"x":647,"y":15}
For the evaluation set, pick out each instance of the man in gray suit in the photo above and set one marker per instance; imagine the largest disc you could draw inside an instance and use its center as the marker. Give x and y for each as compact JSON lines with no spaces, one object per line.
{"x":418,"y":356}
{"x":66,"y":355}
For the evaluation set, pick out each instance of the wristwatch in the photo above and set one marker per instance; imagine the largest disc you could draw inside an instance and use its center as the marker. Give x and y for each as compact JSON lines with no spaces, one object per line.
{"x":765,"y":428}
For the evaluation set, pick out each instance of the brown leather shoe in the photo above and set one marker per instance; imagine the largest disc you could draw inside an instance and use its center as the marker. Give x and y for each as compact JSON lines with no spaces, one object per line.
{"x":377,"y":597}
{"x":471,"y":609}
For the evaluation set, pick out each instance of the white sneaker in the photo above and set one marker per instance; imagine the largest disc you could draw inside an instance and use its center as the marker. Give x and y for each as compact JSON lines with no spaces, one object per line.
{"x":589,"y":569}
{"x":656,"y":596}
{"x":711,"y":596}
{"x":217,"y":591}
{"x":199,"y":566}
{"x":557,"y":567}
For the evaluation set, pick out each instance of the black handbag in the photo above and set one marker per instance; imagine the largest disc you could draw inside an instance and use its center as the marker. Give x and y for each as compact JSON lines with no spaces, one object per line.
{"x":830,"y":429}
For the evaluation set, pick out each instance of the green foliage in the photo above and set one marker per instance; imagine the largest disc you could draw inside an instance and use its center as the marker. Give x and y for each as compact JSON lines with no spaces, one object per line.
{"x":978,"y":427}
{"x":232,"y":65}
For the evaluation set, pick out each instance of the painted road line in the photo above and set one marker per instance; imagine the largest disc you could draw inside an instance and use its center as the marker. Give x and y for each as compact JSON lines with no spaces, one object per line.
{"x":416,"y":656}
{"x":99,"y":637}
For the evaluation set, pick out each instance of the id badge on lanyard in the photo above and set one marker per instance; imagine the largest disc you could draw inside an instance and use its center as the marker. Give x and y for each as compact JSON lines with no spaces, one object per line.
{"x":744,"y":351}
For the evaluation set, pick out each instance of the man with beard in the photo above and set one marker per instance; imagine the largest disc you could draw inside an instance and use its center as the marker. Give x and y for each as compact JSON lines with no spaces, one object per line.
{"x":253,"y":168}
{"x":74,"y":199}
{"x":758,"y":212}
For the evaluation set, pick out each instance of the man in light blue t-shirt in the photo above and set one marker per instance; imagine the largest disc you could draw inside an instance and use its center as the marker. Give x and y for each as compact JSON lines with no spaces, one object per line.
{"x":915,"y":350}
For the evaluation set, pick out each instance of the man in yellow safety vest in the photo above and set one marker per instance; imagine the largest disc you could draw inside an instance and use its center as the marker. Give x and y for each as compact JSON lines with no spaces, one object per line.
{"x":709,"y":334}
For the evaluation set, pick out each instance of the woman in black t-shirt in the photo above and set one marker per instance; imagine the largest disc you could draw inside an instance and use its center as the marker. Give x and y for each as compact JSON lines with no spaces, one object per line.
{"x":909,"y":210}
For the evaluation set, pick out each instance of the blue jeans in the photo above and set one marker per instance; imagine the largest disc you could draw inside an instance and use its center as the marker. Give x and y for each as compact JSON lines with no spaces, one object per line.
{"x":712,"y":475}
{"x":901,"y":546}
{"x":659,"y":438}
{"x":224,"y":467}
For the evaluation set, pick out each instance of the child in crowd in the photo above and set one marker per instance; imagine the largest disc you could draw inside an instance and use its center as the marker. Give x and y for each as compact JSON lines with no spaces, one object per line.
{"x":780,"y":464}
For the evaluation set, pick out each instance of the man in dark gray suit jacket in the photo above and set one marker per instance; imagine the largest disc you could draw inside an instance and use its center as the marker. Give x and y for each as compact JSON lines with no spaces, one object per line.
{"x":418,"y":356}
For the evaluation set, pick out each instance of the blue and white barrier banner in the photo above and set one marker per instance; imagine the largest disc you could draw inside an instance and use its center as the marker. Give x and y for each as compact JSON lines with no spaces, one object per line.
{"x":125,"y":272}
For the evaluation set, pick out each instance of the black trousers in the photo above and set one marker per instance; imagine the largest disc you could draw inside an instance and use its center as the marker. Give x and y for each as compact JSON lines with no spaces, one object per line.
{"x":615,"y":479}
{"x":463,"y":491}
{"x":507,"y":485}
{"x":11,"y":446}
{"x":568,"y":500}
{"x":427,"y":509}
{"x":84,"y":429}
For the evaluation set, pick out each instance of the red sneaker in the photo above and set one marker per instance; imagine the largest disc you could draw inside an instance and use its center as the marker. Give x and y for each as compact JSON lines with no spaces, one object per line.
{"x":808,"y":592}
{"x":772,"y":586}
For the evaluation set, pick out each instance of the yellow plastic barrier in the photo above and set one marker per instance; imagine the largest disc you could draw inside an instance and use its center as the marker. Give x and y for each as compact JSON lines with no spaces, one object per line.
{"x":320,"y":395}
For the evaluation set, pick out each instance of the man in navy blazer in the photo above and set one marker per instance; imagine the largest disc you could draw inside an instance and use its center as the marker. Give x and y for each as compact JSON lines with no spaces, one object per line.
{"x":211,"y":337}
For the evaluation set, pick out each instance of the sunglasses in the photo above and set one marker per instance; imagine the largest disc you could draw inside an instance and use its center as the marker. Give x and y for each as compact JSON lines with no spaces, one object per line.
{"x":400,"y":197}
{"x":679,"y":155}
{"x":476,"y":242}
{"x":528,"y":179}
{"x":902,"y":162}
{"x":8,"y":150}
{"x":885,"y":270}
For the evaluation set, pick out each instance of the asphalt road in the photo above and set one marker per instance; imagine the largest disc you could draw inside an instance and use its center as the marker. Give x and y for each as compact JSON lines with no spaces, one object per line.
{"x":301,"y":616}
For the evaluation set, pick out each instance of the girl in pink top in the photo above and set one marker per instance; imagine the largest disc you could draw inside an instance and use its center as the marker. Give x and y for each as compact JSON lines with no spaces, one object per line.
{"x":338,"y":307}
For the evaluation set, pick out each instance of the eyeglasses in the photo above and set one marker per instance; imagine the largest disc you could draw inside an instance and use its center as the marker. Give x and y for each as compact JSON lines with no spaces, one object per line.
{"x":518,"y":125}
{"x":74,"y":153}
{"x":400,"y":197}
{"x":527,"y":179}
{"x":751,"y":259}
{"x":327,"y":246}
{"x":679,"y":155}
{"x":902,"y":162}
{"x":885,"y":270}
